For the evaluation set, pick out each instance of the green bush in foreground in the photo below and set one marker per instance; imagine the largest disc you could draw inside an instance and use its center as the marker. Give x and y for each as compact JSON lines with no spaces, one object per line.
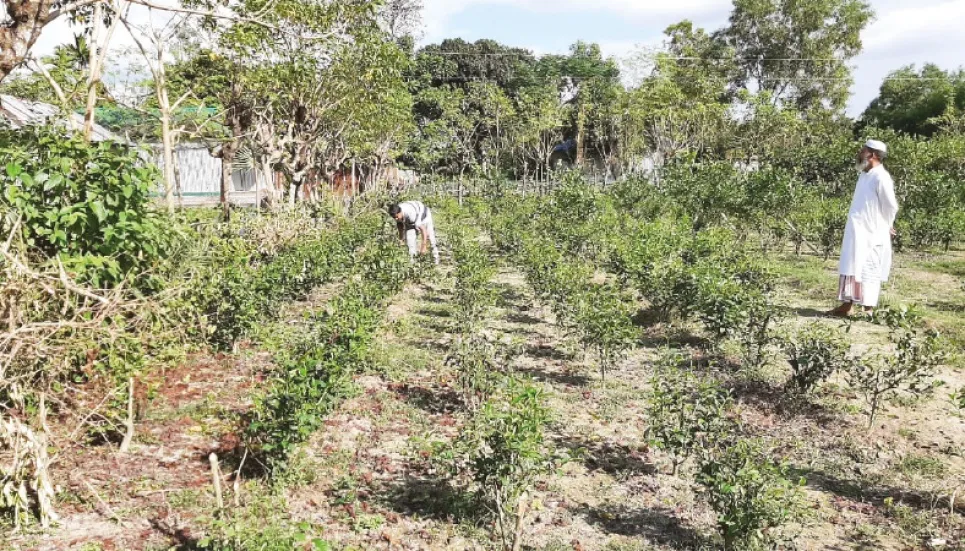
{"x":751,"y":495}
{"x":687,"y":415}
{"x":815,"y":353}
{"x":83,"y":203}
{"x":503,"y":451}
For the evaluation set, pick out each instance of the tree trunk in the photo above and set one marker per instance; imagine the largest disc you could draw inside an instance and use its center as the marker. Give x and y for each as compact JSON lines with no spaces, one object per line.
{"x":93,"y":78}
{"x":228,"y":151}
{"x":25,"y":20}
{"x":167,"y":146}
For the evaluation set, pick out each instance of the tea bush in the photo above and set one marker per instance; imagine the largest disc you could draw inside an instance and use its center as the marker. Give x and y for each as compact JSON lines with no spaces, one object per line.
{"x":502,"y":450}
{"x":84,"y":204}
{"x":314,"y":377}
{"x":238,"y":286}
{"x":910,"y":369}
{"x":751,"y":495}
{"x":687,"y":414}
{"x":473,"y":292}
{"x":815,"y":353}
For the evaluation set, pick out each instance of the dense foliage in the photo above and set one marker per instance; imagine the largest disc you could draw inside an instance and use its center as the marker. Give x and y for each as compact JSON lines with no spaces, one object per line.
{"x":81,"y":203}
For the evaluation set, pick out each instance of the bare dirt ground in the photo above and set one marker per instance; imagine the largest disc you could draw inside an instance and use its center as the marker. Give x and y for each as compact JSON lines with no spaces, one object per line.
{"x":366,"y":480}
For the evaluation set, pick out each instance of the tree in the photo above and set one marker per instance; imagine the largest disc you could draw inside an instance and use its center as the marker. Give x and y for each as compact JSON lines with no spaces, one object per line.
{"x":461,"y":63}
{"x":797,"y":51}
{"x":400,"y":18}
{"x":65,"y":68}
{"x":916,"y":102}
{"x":682,"y":105}
{"x":20,"y":27}
{"x":592,"y":86}
{"x":536,"y":129}
{"x":156,"y":43}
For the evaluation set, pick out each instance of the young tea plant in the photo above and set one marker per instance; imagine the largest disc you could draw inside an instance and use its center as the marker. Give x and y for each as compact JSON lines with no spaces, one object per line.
{"x":815,"y":353}
{"x":605,"y":325}
{"x":688,"y":414}
{"x":480,"y":362}
{"x":503,"y":451}
{"x":473,"y":293}
{"x":910,"y":369}
{"x":751,"y":495}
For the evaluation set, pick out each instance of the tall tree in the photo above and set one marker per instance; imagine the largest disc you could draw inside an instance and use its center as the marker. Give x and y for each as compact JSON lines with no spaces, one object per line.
{"x":461,"y":63}
{"x":916,"y":102}
{"x":797,"y":51}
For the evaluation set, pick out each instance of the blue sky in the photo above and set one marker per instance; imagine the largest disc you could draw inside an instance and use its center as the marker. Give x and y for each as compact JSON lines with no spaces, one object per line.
{"x":902,"y":33}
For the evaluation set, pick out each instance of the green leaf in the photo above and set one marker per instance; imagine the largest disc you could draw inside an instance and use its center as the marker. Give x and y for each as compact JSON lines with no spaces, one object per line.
{"x":99,"y":211}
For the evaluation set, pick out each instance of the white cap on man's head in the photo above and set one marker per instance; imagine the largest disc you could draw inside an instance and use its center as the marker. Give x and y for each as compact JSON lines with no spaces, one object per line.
{"x":876,"y":145}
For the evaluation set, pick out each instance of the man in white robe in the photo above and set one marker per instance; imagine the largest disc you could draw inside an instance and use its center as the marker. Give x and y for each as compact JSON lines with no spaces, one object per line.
{"x":866,"y":250}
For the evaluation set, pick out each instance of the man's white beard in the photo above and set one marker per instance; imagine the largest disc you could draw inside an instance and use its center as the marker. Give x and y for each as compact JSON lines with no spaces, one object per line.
{"x":862,"y":166}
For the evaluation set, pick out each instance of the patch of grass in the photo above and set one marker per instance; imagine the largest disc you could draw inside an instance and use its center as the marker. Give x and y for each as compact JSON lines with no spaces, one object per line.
{"x":299,"y":471}
{"x":366,"y":523}
{"x":187,"y":499}
{"x":922,"y":465}
{"x":912,"y":522}
{"x":866,"y":536}
{"x":805,"y":273}
{"x":955,"y":268}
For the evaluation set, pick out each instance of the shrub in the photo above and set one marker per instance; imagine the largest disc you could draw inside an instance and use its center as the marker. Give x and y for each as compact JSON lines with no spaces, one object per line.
{"x":502,"y":450}
{"x":480,"y":362}
{"x":910,"y":369}
{"x":815,"y":353}
{"x":751,"y":495}
{"x":472,"y":292}
{"x":313,"y":377}
{"x":605,"y":324}
{"x":83,"y":203}
{"x":259,"y":527}
{"x":687,"y":414}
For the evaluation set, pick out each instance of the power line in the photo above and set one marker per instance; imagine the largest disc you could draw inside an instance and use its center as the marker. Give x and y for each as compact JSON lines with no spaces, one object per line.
{"x":574,"y":78}
{"x":663,"y":56}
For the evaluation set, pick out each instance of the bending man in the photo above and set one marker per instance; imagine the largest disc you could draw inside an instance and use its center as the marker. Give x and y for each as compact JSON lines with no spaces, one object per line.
{"x":866,"y":250}
{"x":412,"y":217}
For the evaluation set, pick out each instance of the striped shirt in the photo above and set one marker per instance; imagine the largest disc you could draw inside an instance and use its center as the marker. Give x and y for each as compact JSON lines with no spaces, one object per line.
{"x":414,"y":214}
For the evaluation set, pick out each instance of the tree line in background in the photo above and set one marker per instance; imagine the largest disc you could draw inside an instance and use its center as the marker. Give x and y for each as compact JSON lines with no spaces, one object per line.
{"x":312,"y":88}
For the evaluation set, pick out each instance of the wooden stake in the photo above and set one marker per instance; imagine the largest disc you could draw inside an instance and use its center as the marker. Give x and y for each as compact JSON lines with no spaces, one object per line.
{"x":216,"y":479}
{"x":129,"y":433}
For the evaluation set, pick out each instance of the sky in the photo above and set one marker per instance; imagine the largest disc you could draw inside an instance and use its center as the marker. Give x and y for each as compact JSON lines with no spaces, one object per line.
{"x":903,"y":31}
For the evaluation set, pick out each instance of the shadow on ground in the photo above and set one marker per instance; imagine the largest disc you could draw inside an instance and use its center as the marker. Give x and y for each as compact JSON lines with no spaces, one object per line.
{"x":656,"y":525}
{"x":430,"y":497}
{"x":810,"y":313}
{"x":607,"y":456}
{"x":430,"y":400}
{"x":566,"y":378}
{"x":769,"y":396}
{"x":523,"y":319}
{"x":868,"y":492}
{"x":545,"y":352}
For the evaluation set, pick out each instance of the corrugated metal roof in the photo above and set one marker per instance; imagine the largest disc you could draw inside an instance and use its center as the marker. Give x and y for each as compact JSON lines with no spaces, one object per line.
{"x":23,"y":112}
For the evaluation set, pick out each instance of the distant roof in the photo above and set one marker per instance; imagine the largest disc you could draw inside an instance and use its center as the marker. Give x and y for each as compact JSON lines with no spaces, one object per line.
{"x":22,"y":112}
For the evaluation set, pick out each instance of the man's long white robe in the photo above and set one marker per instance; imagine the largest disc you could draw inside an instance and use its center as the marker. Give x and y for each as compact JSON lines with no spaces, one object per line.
{"x":866,"y":249}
